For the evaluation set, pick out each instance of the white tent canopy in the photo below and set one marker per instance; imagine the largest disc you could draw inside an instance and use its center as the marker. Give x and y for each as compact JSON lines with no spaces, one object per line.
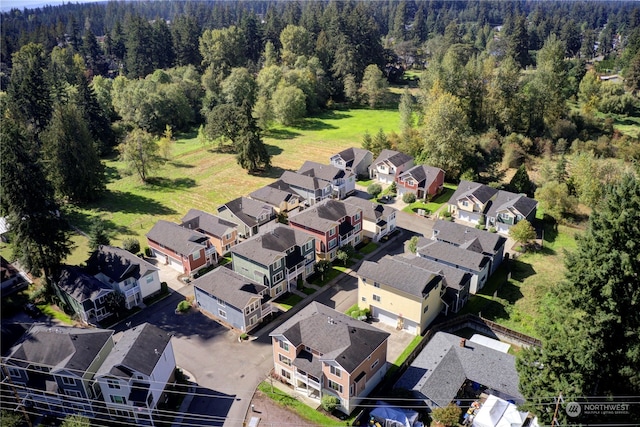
{"x":496,"y":412}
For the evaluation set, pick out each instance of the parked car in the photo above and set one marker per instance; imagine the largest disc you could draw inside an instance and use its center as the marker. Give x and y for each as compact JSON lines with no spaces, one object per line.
{"x":32,"y":310}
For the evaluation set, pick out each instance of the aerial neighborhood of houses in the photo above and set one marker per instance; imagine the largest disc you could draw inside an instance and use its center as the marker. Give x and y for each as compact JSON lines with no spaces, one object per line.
{"x":255,"y":249}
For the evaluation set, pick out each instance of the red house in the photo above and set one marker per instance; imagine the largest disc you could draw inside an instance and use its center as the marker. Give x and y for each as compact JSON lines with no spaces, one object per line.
{"x":333,"y":223}
{"x":185,"y":250}
{"x":422,"y":180}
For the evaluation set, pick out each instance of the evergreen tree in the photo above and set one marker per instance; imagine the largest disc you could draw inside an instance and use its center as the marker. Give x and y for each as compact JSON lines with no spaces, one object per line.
{"x":98,"y":235}
{"x":185,"y":34}
{"x":38,"y":232}
{"x":406,"y":111}
{"x":93,"y":56}
{"x":520,"y":183}
{"x":251,"y":153}
{"x":138,"y":59}
{"x":163,"y":55}
{"x":590,"y":329}
{"x":71,"y":159}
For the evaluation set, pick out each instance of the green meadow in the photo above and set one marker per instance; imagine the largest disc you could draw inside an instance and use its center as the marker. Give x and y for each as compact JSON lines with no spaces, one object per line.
{"x":206,"y":176}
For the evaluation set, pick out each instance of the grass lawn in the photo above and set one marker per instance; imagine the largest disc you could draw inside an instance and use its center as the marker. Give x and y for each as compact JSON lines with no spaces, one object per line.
{"x":308,"y":291}
{"x":368,"y":248}
{"x":289,"y":301}
{"x":49,"y":311}
{"x":517,"y":302}
{"x":627,"y":125}
{"x":436,"y":203}
{"x":202,"y":177}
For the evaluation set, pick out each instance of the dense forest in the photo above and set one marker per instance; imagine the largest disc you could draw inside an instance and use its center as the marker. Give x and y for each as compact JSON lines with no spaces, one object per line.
{"x":482,"y":87}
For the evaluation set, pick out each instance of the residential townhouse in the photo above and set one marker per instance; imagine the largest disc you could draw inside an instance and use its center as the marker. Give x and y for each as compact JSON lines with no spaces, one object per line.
{"x":278,"y":258}
{"x":310,"y":189}
{"x":400,"y":294}
{"x":378,"y":220}
{"x":422,"y":180}
{"x":126,"y":273}
{"x":470,"y":201}
{"x":222,"y":234}
{"x":388,"y":166}
{"x":82,"y":295}
{"x":185,"y":250}
{"x":343,"y":182}
{"x":507,"y":209}
{"x":333,"y":223}
{"x":477,"y":264}
{"x":52,"y":369}
{"x":134,"y":375}
{"x":232,"y":299}
{"x":248,"y":214}
{"x":280,"y":196}
{"x":356,"y":160}
{"x":322,"y":352}
{"x":472,"y":239}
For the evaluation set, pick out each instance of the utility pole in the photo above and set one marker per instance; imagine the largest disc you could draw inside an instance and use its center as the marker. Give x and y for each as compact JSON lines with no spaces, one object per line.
{"x":554,"y":421}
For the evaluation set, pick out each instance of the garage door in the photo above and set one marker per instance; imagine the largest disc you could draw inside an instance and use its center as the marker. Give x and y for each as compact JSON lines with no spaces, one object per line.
{"x":463,"y":215}
{"x":173,"y":263}
{"x":385,"y":316}
{"x":502,"y":228}
{"x":409,"y":326}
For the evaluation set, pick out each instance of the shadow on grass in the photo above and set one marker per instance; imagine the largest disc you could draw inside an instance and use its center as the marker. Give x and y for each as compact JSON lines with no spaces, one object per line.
{"x":83,"y":222}
{"x":332,"y":115}
{"x":160,"y":183}
{"x":111,"y":174}
{"x":521,"y":270}
{"x":510,"y":292}
{"x":181,"y":165}
{"x":280,"y":134}
{"x":275,"y":172}
{"x":125,"y":202}
{"x":313,"y":124}
{"x":493,"y":310}
{"x":273,"y":150}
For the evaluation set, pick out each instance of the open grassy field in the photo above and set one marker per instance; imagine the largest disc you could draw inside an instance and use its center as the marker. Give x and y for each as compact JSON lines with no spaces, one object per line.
{"x":203,"y":177}
{"x":517,"y":301}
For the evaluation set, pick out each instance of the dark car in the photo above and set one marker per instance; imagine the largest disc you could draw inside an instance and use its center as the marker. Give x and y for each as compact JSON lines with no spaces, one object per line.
{"x":32,"y":310}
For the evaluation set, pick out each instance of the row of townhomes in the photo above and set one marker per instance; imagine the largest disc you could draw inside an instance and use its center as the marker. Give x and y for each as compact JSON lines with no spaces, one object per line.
{"x":67,"y":370}
{"x":274,"y":237}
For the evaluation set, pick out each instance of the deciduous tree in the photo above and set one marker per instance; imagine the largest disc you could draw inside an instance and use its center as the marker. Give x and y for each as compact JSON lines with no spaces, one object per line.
{"x":374,"y":86}
{"x":522,"y":232}
{"x":139,"y":151}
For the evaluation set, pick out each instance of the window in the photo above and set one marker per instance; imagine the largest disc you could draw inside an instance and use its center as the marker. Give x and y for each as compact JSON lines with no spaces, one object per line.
{"x":221,"y":303}
{"x":357,"y":228}
{"x":100,"y":300}
{"x":332,"y":232}
{"x":195,"y":255}
{"x":286,"y":374}
{"x":333,"y":243}
{"x":73,"y":393}
{"x":465,"y":203}
{"x":68,"y":381}
{"x":14,"y":372}
{"x":284,"y":345}
{"x":376,"y":284}
{"x":149,"y":279}
{"x":227,"y":236}
{"x":426,"y":308}
{"x":222,"y":313}
{"x":376,"y":298}
{"x":335,"y":386}
{"x":335,"y":371}
{"x":356,"y":217}
{"x":118,"y":399}
{"x":374,"y":364}
{"x":284,"y":360}
{"x":352,"y":389}
{"x":113,"y":384}
{"x":364,"y":299}
{"x":278,"y":277}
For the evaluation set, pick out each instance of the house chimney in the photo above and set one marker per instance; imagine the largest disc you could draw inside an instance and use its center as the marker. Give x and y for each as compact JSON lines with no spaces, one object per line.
{"x":463,"y":342}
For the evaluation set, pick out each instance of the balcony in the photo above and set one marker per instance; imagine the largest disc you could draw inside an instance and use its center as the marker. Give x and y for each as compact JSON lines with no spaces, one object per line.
{"x":308,"y":380}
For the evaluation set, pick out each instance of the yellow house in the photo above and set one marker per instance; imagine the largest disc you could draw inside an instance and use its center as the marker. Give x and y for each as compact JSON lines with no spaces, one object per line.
{"x":400,"y":293}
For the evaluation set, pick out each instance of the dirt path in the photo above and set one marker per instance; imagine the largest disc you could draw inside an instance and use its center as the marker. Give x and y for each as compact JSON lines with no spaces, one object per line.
{"x":273,"y":415}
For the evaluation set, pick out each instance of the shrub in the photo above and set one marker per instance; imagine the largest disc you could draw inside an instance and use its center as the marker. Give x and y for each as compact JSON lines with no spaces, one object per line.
{"x":492,"y":230}
{"x":374,"y":189}
{"x":132,"y":245}
{"x":183,"y":306}
{"x":408,"y":198}
{"x":446,"y":214}
{"x":329,"y":403}
{"x":449,"y":415}
{"x":164,"y":287}
{"x":147,"y":251}
{"x":480,"y":226}
{"x":244,"y":336}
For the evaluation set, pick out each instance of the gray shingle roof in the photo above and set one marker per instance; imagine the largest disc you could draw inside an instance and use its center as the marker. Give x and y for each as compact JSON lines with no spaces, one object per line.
{"x":461,"y":235}
{"x":396,"y":158}
{"x":118,"y":264}
{"x":272,"y":244}
{"x":454,"y":278}
{"x":212,"y":225}
{"x":468,"y":188}
{"x":398,"y":274}
{"x":453,"y":255}
{"x":442,"y":367}
{"x":139,"y":349}
{"x":80,"y":285}
{"x":229,"y":286}
{"x":274,"y":194}
{"x":324,"y":215}
{"x":423,"y":174}
{"x":371,"y":211}
{"x":508,"y":201}
{"x":179,"y":239}
{"x":335,"y":335}
{"x":248,"y":210}
{"x":323,"y":172}
{"x":308,"y":183}
{"x":59,"y":346}
{"x":352,"y":156}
